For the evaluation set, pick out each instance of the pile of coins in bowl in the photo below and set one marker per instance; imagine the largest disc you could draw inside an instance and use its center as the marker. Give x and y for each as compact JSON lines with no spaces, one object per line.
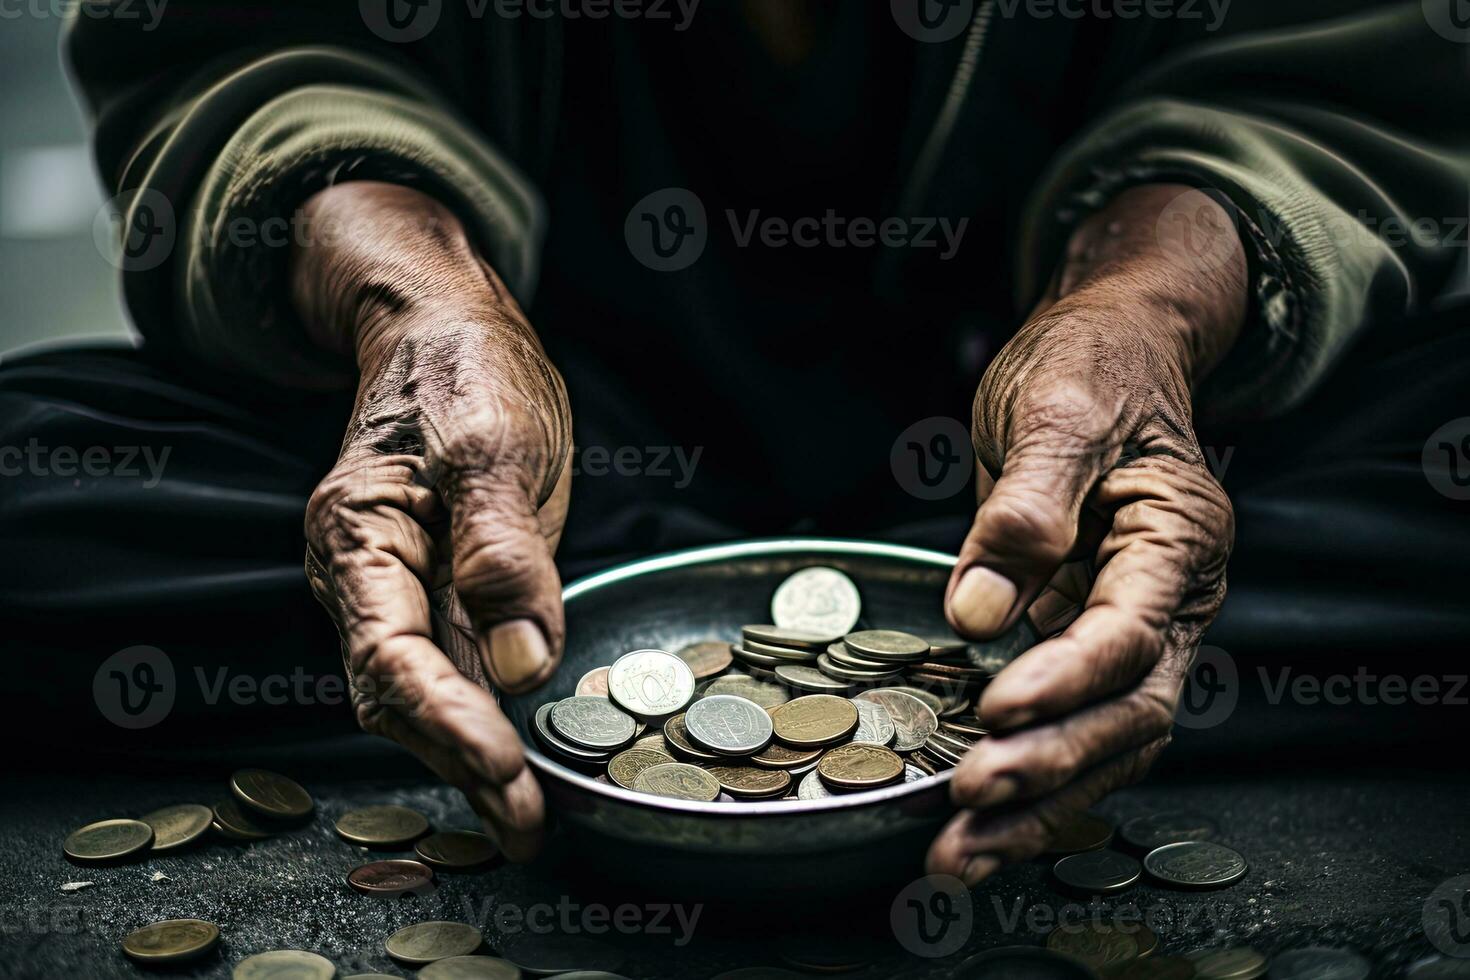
{"x":803,"y":708}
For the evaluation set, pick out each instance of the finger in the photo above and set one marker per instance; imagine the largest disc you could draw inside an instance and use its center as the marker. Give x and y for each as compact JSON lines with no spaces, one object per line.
{"x":1027,"y":525}
{"x":1038,"y":761}
{"x":976,"y":844}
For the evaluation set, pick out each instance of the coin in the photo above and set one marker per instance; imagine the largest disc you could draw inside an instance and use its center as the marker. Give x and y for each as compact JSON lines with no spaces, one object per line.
{"x":456,"y":850}
{"x":678,"y":780}
{"x":748,"y":782}
{"x":565,"y":751}
{"x":887,"y":645}
{"x":817,"y":600}
{"x":939,"y":753}
{"x":1100,"y":872}
{"x":387,"y":826}
{"x":751,"y":660}
{"x":1195,"y":864}
{"x":778,"y":756}
{"x":1097,"y":944}
{"x":727,"y":724}
{"x":237,"y":823}
{"x":1022,"y":963}
{"x":874,"y":723}
{"x":171,"y":940}
{"x":932,"y":701}
{"x":592,"y":723}
{"x":546,"y":955}
{"x":470,"y":968}
{"x":624,"y":767}
{"x":108,"y":840}
{"x":178,"y":826}
{"x":1318,"y":963}
{"x":284,"y":964}
{"x":270,"y":794}
{"x":793,"y":639}
{"x":838,"y":653}
{"x":1084,"y":831}
{"x":860,"y":765}
{"x":811,"y":787}
{"x":425,"y":942}
{"x":811,"y":680}
{"x":1169,"y":827}
{"x":1232,"y":963}
{"x":911,"y":773}
{"x":1155,"y":968}
{"x":817,"y":719}
{"x":967,"y":726}
{"x":765,"y":651}
{"x":705,"y":658}
{"x":851,"y":675}
{"x":763,"y":693}
{"x":650,"y":683}
{"x":394,"y":878}
{"x":913,"y":721}
{"x":677,"y":736}
{"x":593,"y":683}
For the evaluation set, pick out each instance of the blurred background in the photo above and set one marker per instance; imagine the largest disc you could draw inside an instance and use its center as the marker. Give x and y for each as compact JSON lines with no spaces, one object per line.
{"x":54,"y":280}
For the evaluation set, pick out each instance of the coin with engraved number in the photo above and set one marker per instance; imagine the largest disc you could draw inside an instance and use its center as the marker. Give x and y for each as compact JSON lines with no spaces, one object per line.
{"x":913,"y":721}
{"x":284,"y":964}
{"x":108,"y":840}
{"x":811,"y":680}
{"x":1082,"y":831}
{"x":171,"y":941}
{"x":817,"y":719}
{"x":1231,"y":963}
{"x":1195,"y":864}
{"x":678,"y":780}
{"x":887,"y":645}
{"x":592,"y":723}
{"x":457,"y":850}
{"x":425,"y":942}
{"x":387,"y":826}
{"x":1100,"y":872}
{"x":750,"y":783}
{"x":817,"y":600}
{"x":1097,"y":944}
{"x":778,"y":756}
{"x":1022,"y":963}
{"x":874,"y":723}
{"x":705,"y":658}
{"x":728,"y":725}
{"x":470,"y":968}
{"x":1170,"y":827}
{"x":270,"y":794}
{"x":650,"y":684}
{"x":391,"y":879}
{"x":1318,"y":963}
{"x":677,"y":735}
{"x":178,"y":826}
{"x":624,"y":767}
{"x":593,"y":683}
{"x":860,"y":765}
{"x":763,"y":693}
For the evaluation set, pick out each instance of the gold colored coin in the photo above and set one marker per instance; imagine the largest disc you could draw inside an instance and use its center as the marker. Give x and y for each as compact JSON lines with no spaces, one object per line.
{"x":171,"y":941}
{"x":778,"y":756}
{"x":178,"y":826}
{"x":236,"y":823}
{"x":387,"y":826}
{"x":108,"y":840}
{"x":271,"y":794}
{"x":748,"y":782}
{"x":813,"y":720}
{"x":706,"y":658}
{"x":284,"y":964}
{"x":624,"y":767}
{"x":425,"y":942}
{"x":860,"y":765}
{"x":456,"y":850}
{"x":471,"y":968}
{"x":678,"y":780}
{"x":678,"y":738}
{"x":654,"y":743}
{"x":1097,"y":944}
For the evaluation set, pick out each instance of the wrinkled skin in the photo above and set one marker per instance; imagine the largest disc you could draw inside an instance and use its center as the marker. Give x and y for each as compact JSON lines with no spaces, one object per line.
{"x":431,"y":541}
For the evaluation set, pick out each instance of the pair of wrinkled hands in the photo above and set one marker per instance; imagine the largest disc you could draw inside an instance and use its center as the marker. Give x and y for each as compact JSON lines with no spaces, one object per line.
{"x":431,"y":542}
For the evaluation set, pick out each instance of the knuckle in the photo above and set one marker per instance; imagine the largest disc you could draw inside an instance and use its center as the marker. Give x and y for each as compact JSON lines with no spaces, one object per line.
{"x":501,"y":566}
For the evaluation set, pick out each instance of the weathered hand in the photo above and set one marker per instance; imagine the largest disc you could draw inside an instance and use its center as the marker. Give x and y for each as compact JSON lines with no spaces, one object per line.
{"x":430,"y":543}
{"x":1085,"y":417}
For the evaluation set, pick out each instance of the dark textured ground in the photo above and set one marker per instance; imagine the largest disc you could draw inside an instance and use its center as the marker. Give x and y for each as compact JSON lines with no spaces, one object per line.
{"x":1349,"y":821}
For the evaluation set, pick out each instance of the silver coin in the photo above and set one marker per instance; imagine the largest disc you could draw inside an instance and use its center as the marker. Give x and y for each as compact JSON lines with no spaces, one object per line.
{"x":839,"y":654}
{"x":817,"y":600}
{"x":750,"y":658}
{"x":912,"y":773}
{"x":789,"y":639}
{"x":935,"y":702}
{"x":470,"y":968}
{"x":887,"y":645}
{"x":1230,"y":963}
{"x":554,"y":743}
{"x":851,"y":675}
{"x":1195,"y":864}
{"x":874,"y":723}
{"x":592,"y":723}
{"x":811,"y":680}
{"x":811,"y":787}
{"x":728,"y":725}
{"x":1100,"y":872}
{"x":277,"y":963}
{"x":650,"y":683}
{"x":1170,"y":827}
{"x":913,"y":720}
{"x":1318,"y":963}
{"x":789,"y":655}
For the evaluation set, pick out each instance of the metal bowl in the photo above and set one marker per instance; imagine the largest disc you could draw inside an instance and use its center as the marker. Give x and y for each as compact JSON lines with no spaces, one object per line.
{"x":861,"y":841}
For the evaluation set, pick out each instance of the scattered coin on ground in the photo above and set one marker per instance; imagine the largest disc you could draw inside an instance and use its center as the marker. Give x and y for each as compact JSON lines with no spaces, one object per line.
{"x":383,"y":826}
{"x":284,"y":964}
{"x":1195,"y":864}
{"x":271,"y":795}
{"x":178,"y":826}
{"x":391,"y":879}
{"x":108,"y":840}
{"x":171,"y":941}
{"x":425,"y":942}
{"x":457,"y":850}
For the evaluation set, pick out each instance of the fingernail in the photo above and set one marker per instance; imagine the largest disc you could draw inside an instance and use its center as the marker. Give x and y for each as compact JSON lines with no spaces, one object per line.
{"x":514,"y":653}
{"x":982,"y":600}
{"x":996,"y":791}
{"x":979,"y":868}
